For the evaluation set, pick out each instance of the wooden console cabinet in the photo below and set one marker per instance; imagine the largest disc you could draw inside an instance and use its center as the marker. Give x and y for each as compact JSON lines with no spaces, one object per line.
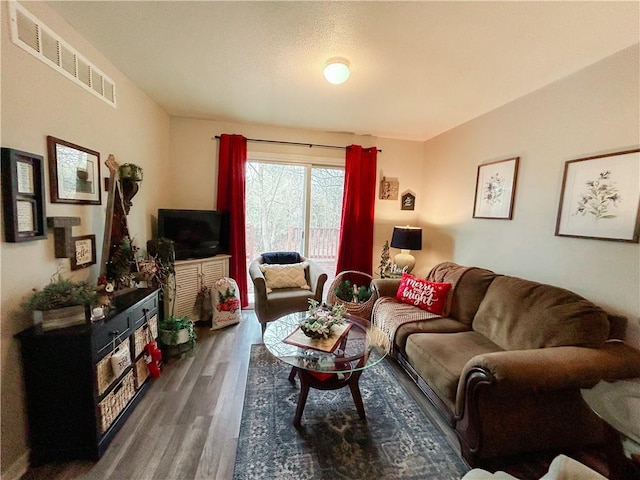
{"x":75,"y":403}
{"x":191,"y":276}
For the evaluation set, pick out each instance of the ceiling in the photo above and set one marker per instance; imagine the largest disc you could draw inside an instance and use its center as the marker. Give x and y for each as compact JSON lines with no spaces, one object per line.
{"x":417,"y":68}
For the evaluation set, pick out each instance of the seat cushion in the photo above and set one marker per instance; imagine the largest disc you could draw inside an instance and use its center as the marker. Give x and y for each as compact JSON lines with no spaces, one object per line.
{"x":289,"y":300}
{"x":439,"y":359}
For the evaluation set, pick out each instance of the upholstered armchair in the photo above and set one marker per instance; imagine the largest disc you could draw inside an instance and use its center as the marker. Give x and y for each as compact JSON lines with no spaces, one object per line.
{"x":283,"y":283}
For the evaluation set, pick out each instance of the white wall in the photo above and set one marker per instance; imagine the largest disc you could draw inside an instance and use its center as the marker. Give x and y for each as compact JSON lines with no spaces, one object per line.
{"x":594,"y":111}
{"x":38,"y":101}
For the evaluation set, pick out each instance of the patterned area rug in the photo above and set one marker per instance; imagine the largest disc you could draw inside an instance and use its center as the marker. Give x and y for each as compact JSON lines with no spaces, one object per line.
{"x":396,"y":442}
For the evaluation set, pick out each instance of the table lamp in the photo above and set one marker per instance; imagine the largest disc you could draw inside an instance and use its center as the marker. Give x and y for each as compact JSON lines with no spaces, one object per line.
{"x":406,"y":239}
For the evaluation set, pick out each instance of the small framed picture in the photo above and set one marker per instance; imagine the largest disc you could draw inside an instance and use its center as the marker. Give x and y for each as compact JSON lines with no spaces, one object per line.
{"x":83,"y":251}
{"x":389,"y":188}
{"x":408,"y":201}
{"x":74,"y":173}
{"x":600,"y":197}
{"x":496,"y":189}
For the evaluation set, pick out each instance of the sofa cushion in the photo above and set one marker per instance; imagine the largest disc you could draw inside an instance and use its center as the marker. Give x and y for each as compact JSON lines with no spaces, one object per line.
{"x":469,"y":292}
{"x":285,"y":276}
{"x":519,"y":314}
{"x":426,"y":295}
{"x":439,"y":359}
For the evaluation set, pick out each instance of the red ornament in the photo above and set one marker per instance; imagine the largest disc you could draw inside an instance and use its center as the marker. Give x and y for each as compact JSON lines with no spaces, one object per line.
{"x":153,"y":356}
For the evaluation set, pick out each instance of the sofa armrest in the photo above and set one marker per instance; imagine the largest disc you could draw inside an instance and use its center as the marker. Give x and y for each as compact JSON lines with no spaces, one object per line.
{"x":317,"y":279}
{"x":259,"y":288}
{"x":556,"y":367}
{"x":385,"y":287}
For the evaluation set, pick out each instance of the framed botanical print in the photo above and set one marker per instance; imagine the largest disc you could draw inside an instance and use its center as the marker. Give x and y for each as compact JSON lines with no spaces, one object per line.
{"x":496,"y":189}
{"x":600,"y":197}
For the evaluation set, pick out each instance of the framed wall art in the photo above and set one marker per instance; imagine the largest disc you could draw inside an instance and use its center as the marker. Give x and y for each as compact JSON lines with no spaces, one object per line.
{"x":389,"y":188}
{"x":408,"y":200}
{"x":496,"y":189}
{"x":83,"y":251}
{"x":600,"y":197}
{"x":23,"y":196}
{"x":74,"y":173}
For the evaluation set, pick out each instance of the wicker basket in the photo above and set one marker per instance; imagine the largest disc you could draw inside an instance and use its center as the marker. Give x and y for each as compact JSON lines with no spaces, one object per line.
{"x":142,"y":372}
{"x":142,"y":336}
{"x":115,"y":401}
{"x":104,"y":372}
{"x":359,"y":309}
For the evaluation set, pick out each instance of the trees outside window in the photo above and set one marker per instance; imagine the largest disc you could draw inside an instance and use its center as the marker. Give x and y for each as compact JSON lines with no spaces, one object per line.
{"x":294,"y":207}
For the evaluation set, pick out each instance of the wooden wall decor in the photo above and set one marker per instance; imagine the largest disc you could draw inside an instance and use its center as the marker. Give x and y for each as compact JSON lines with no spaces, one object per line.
{"x":62,"y":234}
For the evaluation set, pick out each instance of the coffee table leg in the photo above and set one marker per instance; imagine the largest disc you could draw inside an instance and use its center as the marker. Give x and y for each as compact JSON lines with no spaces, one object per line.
{"x":355,"y":393}
{"x":302,"y":398}
{"x":292,"y":374}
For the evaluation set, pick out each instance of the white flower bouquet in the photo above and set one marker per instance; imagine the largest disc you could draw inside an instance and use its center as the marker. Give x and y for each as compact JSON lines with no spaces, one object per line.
{"x":321,"y":318}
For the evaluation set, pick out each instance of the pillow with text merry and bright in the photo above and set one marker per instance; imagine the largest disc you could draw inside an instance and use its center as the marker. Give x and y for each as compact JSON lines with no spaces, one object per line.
{"x":429,"y":296}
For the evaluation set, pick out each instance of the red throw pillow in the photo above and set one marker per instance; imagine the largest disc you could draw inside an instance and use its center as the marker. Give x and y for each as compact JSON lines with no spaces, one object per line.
{"x":429,"y":296}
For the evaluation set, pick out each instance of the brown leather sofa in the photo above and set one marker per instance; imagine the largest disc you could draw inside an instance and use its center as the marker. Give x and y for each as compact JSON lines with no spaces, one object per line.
{"x":506,"y":363}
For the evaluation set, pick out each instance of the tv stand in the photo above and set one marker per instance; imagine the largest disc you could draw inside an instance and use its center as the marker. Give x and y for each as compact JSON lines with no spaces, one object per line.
{"x":191,"y":276}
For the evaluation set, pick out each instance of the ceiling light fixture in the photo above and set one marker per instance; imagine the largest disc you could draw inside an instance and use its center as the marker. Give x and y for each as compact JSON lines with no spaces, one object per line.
{"x":336,"y":71}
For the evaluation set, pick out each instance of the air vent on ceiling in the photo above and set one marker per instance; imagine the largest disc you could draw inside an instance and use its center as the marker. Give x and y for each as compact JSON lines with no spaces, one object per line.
{"x":30,"y":34}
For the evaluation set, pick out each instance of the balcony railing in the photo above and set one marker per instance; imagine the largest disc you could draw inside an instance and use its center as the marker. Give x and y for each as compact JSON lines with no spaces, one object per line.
{"x":323,"y":242}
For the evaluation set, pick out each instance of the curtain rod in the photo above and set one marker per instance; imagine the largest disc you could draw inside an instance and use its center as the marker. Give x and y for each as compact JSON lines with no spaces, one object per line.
{"x":279,"y":142}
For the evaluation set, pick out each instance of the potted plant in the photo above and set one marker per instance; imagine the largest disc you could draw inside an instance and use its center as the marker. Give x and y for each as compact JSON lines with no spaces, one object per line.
{"x":352,"y":293}
{"x":130,"y":177}
{"x":174,"y":330}
{"x":61,"y":303}
{"x":177,"y":330}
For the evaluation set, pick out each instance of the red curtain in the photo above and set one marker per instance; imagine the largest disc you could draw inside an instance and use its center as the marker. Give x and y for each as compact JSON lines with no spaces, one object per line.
{"x":232,"y":158}
{"x":355,"y":250}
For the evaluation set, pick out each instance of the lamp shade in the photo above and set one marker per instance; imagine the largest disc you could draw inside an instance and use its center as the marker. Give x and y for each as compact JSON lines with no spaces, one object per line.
{"x":407,"y":238}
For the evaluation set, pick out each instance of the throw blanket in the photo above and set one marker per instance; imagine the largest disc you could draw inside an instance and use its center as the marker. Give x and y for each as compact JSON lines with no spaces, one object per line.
{"x":389,"y":314}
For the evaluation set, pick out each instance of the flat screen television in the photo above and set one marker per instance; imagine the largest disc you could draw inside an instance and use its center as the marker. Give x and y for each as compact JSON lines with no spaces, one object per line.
{"x":195,"y":233}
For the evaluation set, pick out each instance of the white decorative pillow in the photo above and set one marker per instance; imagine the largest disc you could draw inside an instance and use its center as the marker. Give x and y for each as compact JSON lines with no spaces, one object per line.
{"x":285,"y":276}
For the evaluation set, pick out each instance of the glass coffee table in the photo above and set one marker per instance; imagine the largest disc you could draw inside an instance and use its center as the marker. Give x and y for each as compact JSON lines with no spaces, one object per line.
{"x":359,"y":348}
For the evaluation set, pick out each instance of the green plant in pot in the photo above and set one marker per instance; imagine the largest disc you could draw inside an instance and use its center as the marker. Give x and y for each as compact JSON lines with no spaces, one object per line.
{"x":130,"y":176}
{"x":177,"y":330}
{"x":352,"y":293}
{"x":62,"y":303}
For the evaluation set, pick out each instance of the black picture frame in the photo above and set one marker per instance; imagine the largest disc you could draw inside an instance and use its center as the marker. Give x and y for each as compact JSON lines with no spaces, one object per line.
{"x":23,"y":196}
{"x":408,"y":201}
{"x":74,"y":173}
{"x":83,"y":252}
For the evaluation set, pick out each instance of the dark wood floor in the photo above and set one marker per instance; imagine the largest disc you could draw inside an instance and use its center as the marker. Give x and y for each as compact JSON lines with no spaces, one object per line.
{"x":187,"y":424}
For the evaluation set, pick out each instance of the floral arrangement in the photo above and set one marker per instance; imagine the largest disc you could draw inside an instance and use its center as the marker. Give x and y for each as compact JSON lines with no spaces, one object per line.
{"x":320,"y":319}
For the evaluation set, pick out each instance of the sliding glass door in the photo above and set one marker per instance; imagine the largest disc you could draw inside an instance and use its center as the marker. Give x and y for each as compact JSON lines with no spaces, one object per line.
{"x":294,"y":207}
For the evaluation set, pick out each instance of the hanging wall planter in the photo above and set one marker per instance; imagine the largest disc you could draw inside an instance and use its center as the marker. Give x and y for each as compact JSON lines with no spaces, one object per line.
{"x":130,"y":178}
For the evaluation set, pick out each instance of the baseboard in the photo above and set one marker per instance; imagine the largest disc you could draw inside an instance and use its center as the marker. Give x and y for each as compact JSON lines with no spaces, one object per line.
{"x":18,"y":469}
